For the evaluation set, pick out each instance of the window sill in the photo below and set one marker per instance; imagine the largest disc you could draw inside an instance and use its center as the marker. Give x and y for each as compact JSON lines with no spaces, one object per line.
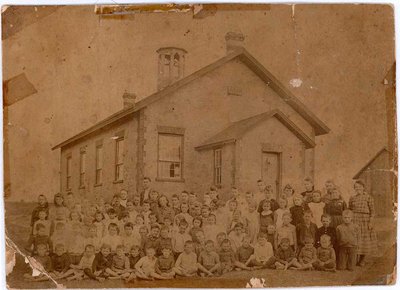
{"x":68,"y":190}
{"x":82,"y":187}
{"x":99,"y":184}
{"x":160,"y":179}
{"x":118,"y":181}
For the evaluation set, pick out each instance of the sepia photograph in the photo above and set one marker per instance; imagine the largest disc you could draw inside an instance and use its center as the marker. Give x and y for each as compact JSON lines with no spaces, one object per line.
{"x":199,"y":145}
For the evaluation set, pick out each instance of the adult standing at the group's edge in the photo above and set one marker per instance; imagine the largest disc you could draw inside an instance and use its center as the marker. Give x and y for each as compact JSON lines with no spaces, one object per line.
{"x":362,"y":205}
{"x":145,"y":193}
{"x":334,"y":203}
{"x":308,"y":193}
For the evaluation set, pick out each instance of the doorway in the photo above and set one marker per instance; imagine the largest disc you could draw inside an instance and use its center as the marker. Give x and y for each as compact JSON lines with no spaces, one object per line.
{"x":271,"y":170}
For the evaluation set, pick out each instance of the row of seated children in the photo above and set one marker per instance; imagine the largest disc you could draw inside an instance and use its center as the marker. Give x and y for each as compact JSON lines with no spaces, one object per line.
{"x":162,"y":262}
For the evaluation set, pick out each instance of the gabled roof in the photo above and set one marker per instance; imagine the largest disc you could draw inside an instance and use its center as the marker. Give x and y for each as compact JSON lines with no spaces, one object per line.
{"x":319,"y":127}
{"x":238,"y":129}
{"x":370,"y":162}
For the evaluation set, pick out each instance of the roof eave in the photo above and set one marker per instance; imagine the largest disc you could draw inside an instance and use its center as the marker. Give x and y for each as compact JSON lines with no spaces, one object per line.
{"x":320,"y":127}
{"x":214,"y":145}
{"x":108,"y":121}
{"x":357,"y":176}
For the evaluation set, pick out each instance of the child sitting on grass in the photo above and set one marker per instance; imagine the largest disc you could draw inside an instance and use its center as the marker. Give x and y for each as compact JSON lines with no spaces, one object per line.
{"x":263,"y":256}
{"x":243,"y":254}
{"x":120,"y":265}
{"x":209,"y":259}
{"x":60,"y":261}
{"x":42,"y":262}
{"x":186,"y":265}
{"x":308,"y":254}
{"x":145,"y":267}
{"x":85,"y":266}
{"x":228,"y":258}
{"x":134,"y":256}
{"x":102,"y":261}
{"x":285,"y":256}
{"x":326,"y":257}
{"x":165,"y":263}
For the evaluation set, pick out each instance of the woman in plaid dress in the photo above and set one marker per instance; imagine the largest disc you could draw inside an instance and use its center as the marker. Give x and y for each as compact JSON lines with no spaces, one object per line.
{"x":362,"y":205}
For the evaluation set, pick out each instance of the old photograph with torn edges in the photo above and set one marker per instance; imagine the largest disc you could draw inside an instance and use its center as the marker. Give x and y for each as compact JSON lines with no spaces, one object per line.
{"x":199,"y":146}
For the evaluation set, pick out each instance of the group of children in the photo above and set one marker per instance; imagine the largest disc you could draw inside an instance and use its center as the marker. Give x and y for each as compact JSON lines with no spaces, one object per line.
{"x":152,"y":237}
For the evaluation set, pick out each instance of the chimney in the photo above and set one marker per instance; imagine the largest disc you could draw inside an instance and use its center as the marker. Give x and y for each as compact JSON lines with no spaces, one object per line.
{"x":171,"y":65}
{"x":129,"y":100}
{"x":233,"y":40}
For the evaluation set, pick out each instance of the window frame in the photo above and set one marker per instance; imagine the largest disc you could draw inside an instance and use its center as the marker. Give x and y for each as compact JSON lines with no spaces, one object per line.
{"x":82,"y":169}
{"x":97,"y":182}
{"x":175,"y":132}
{"x":118,"y":166}
{"x":68,"y":172}
{"x":216,"y":168}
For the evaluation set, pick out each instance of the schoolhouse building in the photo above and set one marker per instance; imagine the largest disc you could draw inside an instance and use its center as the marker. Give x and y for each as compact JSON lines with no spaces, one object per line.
{"x":228,"y":124}
{"x":380,"y":181}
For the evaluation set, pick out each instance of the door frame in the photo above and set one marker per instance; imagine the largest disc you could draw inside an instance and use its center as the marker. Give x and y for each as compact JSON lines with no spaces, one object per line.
{"x":279,"y":154}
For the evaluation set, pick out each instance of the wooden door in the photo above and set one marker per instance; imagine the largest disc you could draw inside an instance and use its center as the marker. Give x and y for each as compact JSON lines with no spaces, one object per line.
{"x":271,"y":170}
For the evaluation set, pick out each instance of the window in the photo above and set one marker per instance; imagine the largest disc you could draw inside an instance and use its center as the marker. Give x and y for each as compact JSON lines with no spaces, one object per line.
{"x":69,"y":172}
{"x":218,"y":166}
{"x":82,"y":168}
{"x":170,"y":156}
{"x":99,"y":164}
{"x":119,"y":159}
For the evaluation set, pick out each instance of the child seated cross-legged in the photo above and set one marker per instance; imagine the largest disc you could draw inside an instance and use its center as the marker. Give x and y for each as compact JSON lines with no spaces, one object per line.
{"x":326,"y":257}
{"x":60,"y":261}
{"x":244,"y":252}
{"x":146,"y":266}
{"x":228,"y":258}
{"x":308,"y":254}
{"x":134,"y":256}
{"x":120,"y":265}
{"x":85,"y":266}
{"x":42,"y":262}
{"x":209,"y":259}
{"x":263,"y":256}
{"x":186,"y":265}
{"x":165,"y":264}
{"x":102,"y":261}
{"x":285,"y":256}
